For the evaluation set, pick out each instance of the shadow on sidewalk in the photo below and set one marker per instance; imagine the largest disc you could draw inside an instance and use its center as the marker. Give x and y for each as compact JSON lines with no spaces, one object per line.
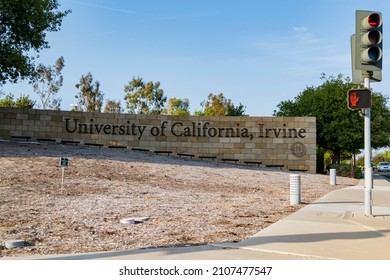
{"x":313,"y":237}
{"x":330,"y":202}
{"x":230,"y":247}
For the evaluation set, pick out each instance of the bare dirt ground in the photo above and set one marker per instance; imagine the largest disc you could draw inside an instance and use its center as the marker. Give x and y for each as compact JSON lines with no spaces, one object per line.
{"x":188,"y":202}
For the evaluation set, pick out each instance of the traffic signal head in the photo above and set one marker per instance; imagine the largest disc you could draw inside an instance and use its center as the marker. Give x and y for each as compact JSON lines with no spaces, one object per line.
{"x":359,"y":75}
{"x":368,"y":41}
{"x":359,"y":99}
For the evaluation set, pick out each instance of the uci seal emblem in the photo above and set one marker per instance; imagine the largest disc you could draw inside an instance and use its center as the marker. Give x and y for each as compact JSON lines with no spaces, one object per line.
{"x":298,"y":149}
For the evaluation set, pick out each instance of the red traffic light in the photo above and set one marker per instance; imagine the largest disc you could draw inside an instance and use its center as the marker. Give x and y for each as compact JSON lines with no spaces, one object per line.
{"x":369,"y":20}
{"x":359,"y":99}
{"x":374,"y":20}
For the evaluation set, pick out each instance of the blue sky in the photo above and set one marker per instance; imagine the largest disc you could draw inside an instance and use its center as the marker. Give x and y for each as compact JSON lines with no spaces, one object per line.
{"x":253,"y":51}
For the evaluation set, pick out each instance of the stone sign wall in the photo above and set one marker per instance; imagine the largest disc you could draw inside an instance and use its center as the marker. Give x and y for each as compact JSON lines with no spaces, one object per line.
{"x":289,"y":143}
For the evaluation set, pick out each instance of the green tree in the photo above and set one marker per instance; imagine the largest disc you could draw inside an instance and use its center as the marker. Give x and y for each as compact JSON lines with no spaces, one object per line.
{"x":90,"y":97}
{"x":48,"y":81}
{"x":219,"y":105}
{"x":237,"y":111}
{"x":216,"y":105}
{"x":23,"y":102}
{"x":177,"y":106}
{"x":385,"y":156}
{"x":23,"y":28}
{"x":199,"y":113}
{"x":144,"y":98}
{"x":339,"y":129}
{"x":113,"y":106}
{"x":7,"y":101}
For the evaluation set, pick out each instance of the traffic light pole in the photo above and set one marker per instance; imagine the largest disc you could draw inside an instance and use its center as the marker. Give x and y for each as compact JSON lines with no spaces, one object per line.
{"x":367,"y":58}
{"x":368,"y":182}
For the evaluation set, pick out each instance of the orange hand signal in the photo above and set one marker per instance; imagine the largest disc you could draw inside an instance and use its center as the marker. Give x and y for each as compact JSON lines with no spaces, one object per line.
{"x":353,"y":98}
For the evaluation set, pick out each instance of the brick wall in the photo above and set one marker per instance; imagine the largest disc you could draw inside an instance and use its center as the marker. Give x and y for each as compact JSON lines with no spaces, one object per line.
{"x":290,"y":142}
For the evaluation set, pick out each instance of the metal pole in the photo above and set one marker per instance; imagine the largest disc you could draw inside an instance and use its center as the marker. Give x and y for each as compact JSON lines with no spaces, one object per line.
{"x":367,"y":158}
{"x":62,"y":182}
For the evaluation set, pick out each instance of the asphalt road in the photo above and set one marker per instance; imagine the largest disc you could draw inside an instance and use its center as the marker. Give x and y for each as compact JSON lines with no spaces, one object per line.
{"x":384,"y":174}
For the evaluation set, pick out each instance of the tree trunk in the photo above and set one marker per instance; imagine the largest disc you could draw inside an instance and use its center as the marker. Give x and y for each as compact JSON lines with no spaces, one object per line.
{"x":321,"y":168}
{"x":336,"y":157}
{"x":353,"y":165}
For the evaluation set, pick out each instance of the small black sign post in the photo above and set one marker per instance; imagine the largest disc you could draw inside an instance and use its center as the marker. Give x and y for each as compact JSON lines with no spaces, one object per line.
{"x":64,"y":162}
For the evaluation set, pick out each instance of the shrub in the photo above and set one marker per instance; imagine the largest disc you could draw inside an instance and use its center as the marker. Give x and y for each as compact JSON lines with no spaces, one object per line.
{"x":345,"y":170}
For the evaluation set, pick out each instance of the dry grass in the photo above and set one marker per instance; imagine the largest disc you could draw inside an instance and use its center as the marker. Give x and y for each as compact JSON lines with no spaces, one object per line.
{"x":188,"y":202}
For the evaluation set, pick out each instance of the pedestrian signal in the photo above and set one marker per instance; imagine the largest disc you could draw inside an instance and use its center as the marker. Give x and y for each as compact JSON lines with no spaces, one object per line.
{"x":359,"y":99}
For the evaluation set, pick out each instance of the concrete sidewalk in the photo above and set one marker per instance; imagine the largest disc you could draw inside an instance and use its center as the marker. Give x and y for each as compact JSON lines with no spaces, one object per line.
{"x":333,"y":227}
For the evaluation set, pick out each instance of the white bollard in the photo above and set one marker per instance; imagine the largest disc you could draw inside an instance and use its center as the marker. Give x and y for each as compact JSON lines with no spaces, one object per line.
{"x":332,"y":178}
{"x":295,"y":189}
